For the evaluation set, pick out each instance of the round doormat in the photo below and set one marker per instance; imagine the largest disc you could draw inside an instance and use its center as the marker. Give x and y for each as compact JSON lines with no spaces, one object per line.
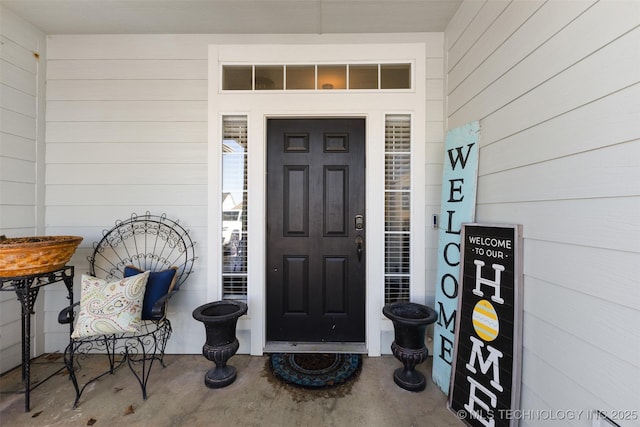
{"x":315,"y":370}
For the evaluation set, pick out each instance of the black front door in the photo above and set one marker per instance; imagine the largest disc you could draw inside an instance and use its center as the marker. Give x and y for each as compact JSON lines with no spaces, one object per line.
{"x":315,"y":230}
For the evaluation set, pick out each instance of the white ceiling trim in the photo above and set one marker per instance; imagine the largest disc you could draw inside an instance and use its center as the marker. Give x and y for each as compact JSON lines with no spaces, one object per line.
{"x":235,"y":16}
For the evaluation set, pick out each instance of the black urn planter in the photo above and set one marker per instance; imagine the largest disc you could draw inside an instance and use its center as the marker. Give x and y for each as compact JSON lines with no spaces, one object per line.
{"x":410,"y":321}
{"x":220,"y":319}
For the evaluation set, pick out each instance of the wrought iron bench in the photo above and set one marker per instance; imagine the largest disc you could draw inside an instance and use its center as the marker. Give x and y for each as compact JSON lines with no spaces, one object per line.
{"x":147,"y":249}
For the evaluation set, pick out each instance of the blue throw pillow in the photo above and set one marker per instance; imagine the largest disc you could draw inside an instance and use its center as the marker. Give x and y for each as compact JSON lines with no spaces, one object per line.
{"x":158,"y":285}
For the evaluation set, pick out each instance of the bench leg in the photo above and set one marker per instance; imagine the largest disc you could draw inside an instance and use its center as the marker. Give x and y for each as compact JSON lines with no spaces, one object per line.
{"x":79,"y":349}
{"x":140,"y":365}
{"x":69,"y":356}
{"x":141,"y":352}
{"x":165,"y":333}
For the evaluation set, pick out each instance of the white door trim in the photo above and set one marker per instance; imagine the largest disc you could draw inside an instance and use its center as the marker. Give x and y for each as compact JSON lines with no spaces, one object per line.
{"x":258,"y":106}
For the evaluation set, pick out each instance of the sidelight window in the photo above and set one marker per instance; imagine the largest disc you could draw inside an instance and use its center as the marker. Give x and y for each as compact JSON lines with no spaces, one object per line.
{"x":397,"y":176}
{"x":234,"y":207}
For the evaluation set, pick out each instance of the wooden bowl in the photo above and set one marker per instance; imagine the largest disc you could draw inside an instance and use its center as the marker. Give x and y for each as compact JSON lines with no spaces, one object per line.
{"x":24,"y":256}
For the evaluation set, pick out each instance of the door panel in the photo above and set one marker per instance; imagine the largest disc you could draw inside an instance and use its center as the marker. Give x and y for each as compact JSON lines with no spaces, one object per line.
{"x":315,"y":189}
{"x":336,"y":210}
{"x":296,"y":201}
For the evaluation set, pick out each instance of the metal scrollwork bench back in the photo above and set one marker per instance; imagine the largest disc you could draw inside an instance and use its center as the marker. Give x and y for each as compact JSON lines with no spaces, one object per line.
{"x":148,"y":243}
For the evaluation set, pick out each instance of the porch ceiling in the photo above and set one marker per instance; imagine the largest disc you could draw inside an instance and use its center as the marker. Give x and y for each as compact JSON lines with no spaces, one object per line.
{"x":235,"y":16}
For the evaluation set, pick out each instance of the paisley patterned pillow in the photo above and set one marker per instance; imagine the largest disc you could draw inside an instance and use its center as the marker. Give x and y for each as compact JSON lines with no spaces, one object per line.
{"x":110,"y":307}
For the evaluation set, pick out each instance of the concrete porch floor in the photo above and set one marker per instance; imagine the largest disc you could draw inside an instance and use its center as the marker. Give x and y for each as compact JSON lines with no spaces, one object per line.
{"x":177,"y":396}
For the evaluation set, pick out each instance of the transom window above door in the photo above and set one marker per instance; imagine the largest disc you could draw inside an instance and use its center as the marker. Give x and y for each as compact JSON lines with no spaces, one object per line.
{"x":317,"y":77}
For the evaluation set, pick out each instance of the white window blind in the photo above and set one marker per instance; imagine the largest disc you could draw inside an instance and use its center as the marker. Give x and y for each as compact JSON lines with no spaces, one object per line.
{"x":397,"y":172}
{"x":234,"y":207}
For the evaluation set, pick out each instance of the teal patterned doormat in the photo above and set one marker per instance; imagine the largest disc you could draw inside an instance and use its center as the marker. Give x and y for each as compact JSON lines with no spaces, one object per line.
{"x":315,"y":370}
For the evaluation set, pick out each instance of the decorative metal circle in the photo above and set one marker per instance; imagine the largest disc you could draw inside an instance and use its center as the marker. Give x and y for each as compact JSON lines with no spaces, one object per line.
{"x":300,"y":362}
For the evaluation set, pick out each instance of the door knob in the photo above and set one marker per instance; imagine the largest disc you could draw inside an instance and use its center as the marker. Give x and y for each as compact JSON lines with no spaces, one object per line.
{"x":359,"y":247}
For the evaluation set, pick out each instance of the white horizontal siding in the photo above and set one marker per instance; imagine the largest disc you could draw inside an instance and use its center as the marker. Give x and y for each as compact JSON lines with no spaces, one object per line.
{"x":18,"y":193}
{"x":126,"y":111}
{"x":607,"y":121}
{"x":127,"y":90}
{"x":608,"y":172}
{"x":16,"y":77}
{"x":127,"y":194}
{"x":536,"y":29}
{"x":98,"y":218}
{"x":458,"y":24}
{"x":485,"y":17}
{"x":17,"y":171}
{"x":142,"y":174}
{"x":22,"y":56}
{"x":10,"y":314}
{"x":129,"y":69}
{"x":571,"y":266}
{"x":15,"y":100}
{"x":126,"y":132}
{"x":17,"y":147}
{"x":20,"y":32}
{"x":600,"y":222}
{"x":125,"y":47}
{"x":611,"y":382}
{"x":556,"y":87}
{"x":612,"y":330}
{"x":494,"y":37}
{"x":16,"y":124}
{"x":13,"y":52}
{"x":159,"y":154}
{"x":551,"y":81}
{"x":559,"y":383}
{"x":20,"y":218}
{"x":567,"y":92}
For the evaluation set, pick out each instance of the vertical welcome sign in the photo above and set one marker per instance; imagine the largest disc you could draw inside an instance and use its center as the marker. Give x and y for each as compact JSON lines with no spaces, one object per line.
{"x":458,"y":200}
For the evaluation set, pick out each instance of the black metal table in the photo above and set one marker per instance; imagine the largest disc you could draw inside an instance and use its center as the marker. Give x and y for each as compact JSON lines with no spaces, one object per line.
{"x":26,"y":288}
